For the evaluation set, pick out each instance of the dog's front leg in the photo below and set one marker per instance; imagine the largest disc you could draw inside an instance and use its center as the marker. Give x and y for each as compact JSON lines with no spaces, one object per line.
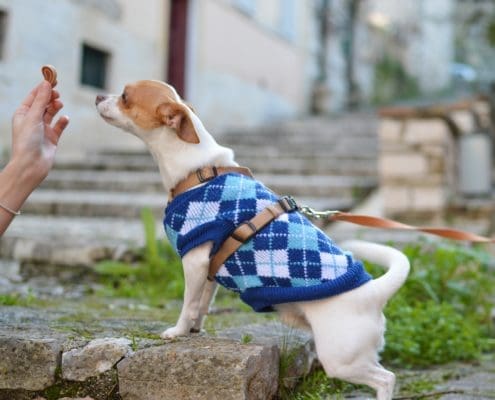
{"x":195,"y":264}
{"x":207,"y":299}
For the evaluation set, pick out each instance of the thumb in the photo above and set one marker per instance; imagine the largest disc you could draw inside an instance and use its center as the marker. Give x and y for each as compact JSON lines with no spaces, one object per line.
{"x":41,"y":100}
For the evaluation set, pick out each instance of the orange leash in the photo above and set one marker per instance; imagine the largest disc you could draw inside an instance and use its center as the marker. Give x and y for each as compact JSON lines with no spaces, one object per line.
{"x":384,"y":223}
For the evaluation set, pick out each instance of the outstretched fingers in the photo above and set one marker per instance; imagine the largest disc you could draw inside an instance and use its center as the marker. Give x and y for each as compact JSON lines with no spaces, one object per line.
{"x":53,"y":108}
{"x":54,"y":134}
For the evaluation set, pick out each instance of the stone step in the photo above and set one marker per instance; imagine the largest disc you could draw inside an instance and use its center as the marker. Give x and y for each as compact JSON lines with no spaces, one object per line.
{"x":66,"y":248}
{"x":130,"y":161}
{"x":107,"y":180}
{"x":282,"y":163}
{"x":84,"y":230}
{"x":309,"y":165}
{"x":126,"y":192}
{"x":43,"y":352}
{"x":249,"y":144}
{"x":330,"y":142}
{"x":86,"y":203}
{"x":299,"y":151}
{"x":344,"y":187}
{"x":360,"y":125}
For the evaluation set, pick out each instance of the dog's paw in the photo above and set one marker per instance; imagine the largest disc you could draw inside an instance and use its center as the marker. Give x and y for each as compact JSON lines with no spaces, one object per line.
{"x":174,"y":332}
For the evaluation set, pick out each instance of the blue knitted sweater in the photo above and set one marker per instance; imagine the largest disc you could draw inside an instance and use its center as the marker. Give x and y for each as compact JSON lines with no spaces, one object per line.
{"x":288,"y":260}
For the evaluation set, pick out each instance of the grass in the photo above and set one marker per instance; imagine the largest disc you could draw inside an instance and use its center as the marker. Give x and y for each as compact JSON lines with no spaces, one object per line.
{"x":318,"y":386}
{"x":155,"y":277}
{"x":16,"y":299}
{"x":442,"y":313}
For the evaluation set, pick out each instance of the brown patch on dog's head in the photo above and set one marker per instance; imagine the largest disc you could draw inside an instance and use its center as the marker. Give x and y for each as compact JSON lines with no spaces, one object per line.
{"x":152,"y":104}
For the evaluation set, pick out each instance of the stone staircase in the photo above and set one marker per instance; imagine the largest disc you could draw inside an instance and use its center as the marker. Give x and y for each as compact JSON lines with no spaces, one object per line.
{"x":325,"y":163}
{"x":89,"y":209}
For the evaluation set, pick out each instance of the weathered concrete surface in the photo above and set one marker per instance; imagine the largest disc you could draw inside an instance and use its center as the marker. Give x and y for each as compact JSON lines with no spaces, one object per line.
{"x":200,"y":368}
{"x":469,"y":382}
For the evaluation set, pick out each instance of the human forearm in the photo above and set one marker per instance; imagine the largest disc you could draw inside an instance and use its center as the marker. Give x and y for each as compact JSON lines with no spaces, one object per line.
{"x":16,"y":184}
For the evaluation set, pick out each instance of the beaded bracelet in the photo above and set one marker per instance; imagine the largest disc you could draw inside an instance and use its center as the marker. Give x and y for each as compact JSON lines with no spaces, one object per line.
{"x":13,"y":212}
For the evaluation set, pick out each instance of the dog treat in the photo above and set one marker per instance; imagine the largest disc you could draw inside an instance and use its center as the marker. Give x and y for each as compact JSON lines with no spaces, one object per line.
{"x":50,"y":74}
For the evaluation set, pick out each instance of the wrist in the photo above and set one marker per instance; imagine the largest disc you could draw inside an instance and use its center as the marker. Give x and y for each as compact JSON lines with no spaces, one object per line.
{"x":26,"y":175}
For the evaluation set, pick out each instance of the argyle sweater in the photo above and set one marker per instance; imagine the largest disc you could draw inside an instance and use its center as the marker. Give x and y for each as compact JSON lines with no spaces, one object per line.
{"x":288,"y":260}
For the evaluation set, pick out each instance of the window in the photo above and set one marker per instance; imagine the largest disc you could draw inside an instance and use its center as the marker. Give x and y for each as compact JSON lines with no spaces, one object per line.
{"x":94,"y":67}
{"x":246,"y":6}
{"x":3,"y":32}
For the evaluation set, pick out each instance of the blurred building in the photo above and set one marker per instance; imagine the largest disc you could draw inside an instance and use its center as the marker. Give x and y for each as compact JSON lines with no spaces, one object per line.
{"x":248,"y":61}
{"x":238,"y":62}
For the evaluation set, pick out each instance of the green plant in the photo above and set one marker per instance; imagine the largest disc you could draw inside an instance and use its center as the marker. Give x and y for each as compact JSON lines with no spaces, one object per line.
{"x":246,"y":338}
{"x":442,"y":313}
{"x":392,"y":82}
{"x":155,"y":277}
{"x":490,"y":32}
{"x":317,"y":386}
{"x":16,"y":299}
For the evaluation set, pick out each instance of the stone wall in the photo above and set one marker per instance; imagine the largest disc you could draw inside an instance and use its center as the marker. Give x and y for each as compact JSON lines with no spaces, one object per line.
{"x":418,"y":156}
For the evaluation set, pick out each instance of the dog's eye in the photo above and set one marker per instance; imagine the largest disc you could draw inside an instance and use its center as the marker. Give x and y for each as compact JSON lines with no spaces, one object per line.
{"x":124,"y":97}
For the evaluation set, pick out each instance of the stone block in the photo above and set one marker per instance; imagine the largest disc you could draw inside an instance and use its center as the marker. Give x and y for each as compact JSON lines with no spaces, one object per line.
{"x":396,"y":199}
{"x":200,"y":368}
{"x":464,"y":120}
{"x":296,"y":346}
{"x":429,"y":199}
{"x":390,"y":130}
{"x":97,"y":357}
{"x":28,"y":364}
{"x":426,"y":131}
{"x":402,"y":165}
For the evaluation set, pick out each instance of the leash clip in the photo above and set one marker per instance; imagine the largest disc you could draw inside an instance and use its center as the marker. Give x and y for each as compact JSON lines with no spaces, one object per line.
{"x":312,"y":213}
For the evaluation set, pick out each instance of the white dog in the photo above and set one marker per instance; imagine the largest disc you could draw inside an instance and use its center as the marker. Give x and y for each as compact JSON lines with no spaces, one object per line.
{"x":347,"y":324}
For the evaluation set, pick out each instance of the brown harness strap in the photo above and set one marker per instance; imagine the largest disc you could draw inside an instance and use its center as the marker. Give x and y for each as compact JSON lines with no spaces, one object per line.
{"x":247,"y":230}
{"x":203,"y":175}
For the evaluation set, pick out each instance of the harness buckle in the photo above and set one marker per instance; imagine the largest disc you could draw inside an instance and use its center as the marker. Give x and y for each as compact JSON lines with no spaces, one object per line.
{"x":202,"y":178}
{"x":288,"y":203}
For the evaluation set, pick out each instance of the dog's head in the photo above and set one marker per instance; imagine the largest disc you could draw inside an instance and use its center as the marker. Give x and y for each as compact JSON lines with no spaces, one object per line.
{"x":146,"y":106}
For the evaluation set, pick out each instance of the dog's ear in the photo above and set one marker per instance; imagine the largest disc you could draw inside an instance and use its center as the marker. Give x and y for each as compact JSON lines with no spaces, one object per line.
{"x":175,"y":116}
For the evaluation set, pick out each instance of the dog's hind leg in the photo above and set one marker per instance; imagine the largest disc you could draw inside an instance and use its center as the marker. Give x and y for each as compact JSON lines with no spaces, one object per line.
{"x":372,"y":375}
{"x":195,"y":264}
{"x":291,"y":315}
{"x":348,"y":330}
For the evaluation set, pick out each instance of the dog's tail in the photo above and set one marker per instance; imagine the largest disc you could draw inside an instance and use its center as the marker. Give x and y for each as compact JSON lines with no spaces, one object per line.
{"x":393,"y":260}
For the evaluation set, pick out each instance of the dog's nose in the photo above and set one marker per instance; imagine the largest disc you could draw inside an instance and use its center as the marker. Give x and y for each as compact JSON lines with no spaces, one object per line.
{"x":100,"y":98}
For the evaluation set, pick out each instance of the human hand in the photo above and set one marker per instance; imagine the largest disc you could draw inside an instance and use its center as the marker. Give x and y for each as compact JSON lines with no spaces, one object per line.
{"x":34,"y":137}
